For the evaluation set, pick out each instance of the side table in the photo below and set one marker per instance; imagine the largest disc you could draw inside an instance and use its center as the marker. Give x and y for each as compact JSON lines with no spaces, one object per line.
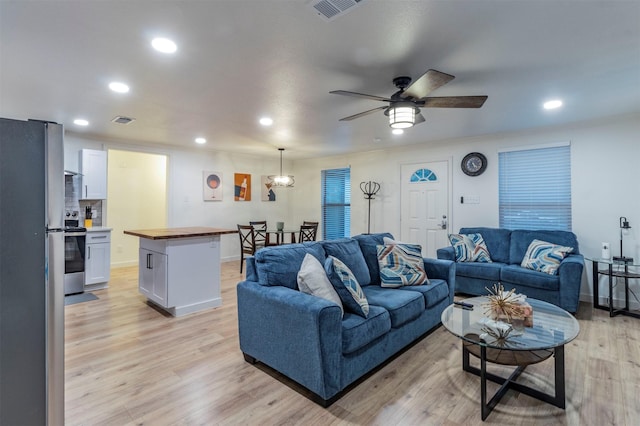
{"x":621,"y":271}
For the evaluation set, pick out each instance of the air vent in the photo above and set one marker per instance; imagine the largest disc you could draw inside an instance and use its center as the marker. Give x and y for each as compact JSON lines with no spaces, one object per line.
{"x":330,"y":9}
{"x":123,"y":120}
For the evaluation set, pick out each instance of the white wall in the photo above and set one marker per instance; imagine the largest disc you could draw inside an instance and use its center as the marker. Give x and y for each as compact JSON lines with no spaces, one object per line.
{"x":185,"y":204}
{"x":605,"y":157}
{"x":605,"y":177}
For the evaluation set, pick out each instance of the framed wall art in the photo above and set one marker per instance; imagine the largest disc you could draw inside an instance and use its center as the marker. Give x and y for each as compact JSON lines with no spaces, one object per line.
{"x":242,"y":187}
{"x":211,"y":186}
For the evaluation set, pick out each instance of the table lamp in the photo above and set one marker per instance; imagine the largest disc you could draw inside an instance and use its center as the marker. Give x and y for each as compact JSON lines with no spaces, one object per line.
{"x":624,"y":224}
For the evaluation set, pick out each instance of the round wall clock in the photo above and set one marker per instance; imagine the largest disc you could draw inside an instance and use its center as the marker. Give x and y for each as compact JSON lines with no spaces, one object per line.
{"x":474,"y":164}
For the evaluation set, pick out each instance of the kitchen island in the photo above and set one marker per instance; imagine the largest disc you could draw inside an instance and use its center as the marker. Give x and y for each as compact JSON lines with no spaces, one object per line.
{"x":179,"y":268}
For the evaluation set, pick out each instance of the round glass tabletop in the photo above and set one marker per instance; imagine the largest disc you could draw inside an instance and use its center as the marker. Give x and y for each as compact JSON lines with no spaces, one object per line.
{"x":552,"y":326}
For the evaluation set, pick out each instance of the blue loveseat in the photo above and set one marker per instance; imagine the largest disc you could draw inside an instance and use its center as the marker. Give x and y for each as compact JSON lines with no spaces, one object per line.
{"x":507,"y":248}
{"x":308,"y":339}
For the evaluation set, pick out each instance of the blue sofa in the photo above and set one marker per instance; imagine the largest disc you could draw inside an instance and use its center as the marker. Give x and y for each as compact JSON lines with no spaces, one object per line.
{"x":507,"y":248}
{"x":307,"y":339}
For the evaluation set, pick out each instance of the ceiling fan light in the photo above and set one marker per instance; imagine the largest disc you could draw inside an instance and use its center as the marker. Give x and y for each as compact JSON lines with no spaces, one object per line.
{"x":402,"y":117}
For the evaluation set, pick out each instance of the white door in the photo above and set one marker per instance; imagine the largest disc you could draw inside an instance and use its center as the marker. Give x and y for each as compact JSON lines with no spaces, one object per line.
{"x":424,"y":202}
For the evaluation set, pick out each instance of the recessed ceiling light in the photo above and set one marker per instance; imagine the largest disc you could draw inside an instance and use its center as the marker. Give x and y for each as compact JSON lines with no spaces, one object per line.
{"x":201,"y":140}
{"x":164,"y":45}
{"x":397,"y":131}
{"x":118,"y":87}
{"x":556,"y":103}
{"x":266,"y":121}
{"x":80,"y":122}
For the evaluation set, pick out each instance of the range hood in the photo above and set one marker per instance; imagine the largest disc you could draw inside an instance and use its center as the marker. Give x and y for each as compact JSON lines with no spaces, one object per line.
{"x":71,"y":173}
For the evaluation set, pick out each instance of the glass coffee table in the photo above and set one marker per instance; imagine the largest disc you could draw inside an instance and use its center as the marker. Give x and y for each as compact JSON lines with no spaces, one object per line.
{"x":553,"y":327}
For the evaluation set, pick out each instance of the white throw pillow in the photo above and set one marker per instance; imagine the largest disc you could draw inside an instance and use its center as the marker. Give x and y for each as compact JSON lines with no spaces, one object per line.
{"x":312,"y":279}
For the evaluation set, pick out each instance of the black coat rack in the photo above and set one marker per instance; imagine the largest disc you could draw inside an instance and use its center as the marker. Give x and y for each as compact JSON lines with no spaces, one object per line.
{"x":369,"y":189}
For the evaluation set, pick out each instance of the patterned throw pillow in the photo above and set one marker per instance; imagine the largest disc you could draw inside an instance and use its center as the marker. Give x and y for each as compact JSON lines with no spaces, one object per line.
{"x":400,"y":265}
{"x":470,"y":248}
{"x":347,"y":287}
{"x":313,"y":280}
{"x":544,"y":256}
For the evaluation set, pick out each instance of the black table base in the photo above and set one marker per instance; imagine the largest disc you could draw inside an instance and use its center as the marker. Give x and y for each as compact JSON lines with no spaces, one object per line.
{"x":557,"y":400}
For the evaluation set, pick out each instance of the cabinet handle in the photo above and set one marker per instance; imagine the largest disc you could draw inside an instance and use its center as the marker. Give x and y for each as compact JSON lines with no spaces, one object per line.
{"x":86,"y":191}
{"x":98,"y":237}
{"x":89,"y":252}
{"x":149,"y":264}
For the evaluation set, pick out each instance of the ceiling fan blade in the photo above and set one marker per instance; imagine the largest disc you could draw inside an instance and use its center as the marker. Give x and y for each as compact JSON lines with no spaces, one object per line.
{"x":353,"y":117}
{"x":419,"y":118}
{"x":455,"y":102}
{"x":427,"y":83}
{"x":360,"y":95}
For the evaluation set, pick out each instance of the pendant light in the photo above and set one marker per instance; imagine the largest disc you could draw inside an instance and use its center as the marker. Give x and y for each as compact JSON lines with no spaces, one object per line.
{"x":281,"y":180}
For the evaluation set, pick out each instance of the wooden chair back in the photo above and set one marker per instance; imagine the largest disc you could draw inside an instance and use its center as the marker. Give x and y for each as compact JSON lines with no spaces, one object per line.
{"x":247,"y":242}
{"x":259,"y":232}
{"x":307,"y":233}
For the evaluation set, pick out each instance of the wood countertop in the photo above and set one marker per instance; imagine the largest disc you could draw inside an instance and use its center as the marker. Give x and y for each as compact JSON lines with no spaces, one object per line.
{"x":187,"y":232}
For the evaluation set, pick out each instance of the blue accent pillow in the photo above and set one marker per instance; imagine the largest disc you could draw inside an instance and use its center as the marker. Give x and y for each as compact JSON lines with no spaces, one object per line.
{"x":470,"y":248}
{"x":544,"y":257}
{"x":347,"y":287}
{"x":349,"y":252}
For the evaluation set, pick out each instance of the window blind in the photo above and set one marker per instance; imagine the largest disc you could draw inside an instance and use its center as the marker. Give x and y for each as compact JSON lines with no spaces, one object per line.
{"x":336,"y":203}
{"x":535,"y":188}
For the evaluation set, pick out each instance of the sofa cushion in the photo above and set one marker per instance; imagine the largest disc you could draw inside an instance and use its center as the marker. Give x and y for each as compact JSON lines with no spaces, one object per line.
{"x":312,"y":279}
{"x":520,"y":240}
{"x":401,"y":264}
{"x":279,"y":265}
{"x":348,"y":251}
{"x":544,"y":257}
{"x":357,"y":332}
{"x":433,"y":293}
{"x":469,"y":248}
{"x":485,"y":271}
{"x":368,"y":245}
{"x":496,"y":239}
{"x":347,"y":287}
{"x":526,"y":277}
{"x":403,"y":306}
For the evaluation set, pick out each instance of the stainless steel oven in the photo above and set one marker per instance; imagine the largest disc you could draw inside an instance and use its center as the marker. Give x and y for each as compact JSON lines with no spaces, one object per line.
{"x":74,"y":257}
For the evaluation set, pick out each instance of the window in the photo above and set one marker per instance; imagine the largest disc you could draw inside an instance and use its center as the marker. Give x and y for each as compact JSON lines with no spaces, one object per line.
{"x":535,"y":188}
{"x":336,"y":203}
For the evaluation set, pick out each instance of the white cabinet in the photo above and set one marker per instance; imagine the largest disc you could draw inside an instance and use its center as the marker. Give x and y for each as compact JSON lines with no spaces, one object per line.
{"x":93,"y":170}
{"x":153,"y":276}
{"x":181,"y":275}
{"x":97,"y":257}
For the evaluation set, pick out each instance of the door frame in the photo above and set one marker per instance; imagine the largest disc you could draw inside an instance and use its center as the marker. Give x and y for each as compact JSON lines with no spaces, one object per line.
{"x":449,"y":160}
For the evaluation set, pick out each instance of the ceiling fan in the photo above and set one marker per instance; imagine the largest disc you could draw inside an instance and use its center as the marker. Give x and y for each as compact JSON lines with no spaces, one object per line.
{"x":404,"y":105}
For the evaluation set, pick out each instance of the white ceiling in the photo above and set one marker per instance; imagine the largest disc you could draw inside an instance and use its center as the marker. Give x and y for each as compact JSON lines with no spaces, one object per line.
{"x":239,"y":60}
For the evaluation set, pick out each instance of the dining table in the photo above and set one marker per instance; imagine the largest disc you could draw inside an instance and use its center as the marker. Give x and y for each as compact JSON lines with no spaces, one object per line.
{"x":277,"y":236}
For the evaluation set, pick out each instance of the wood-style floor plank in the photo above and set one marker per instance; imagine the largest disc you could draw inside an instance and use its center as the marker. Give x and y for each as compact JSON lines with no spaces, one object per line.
{"x":128,"y":363}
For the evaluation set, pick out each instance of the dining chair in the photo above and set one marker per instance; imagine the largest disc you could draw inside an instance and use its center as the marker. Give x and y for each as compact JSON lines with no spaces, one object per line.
{"x":307,"y":233}
{"x":259,"y":232}
{"x":310,"y":223}
{"x":247,"y":242}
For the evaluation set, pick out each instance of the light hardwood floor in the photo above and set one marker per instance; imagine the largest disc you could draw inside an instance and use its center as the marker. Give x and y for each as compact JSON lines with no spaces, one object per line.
{"x":129,"y":364}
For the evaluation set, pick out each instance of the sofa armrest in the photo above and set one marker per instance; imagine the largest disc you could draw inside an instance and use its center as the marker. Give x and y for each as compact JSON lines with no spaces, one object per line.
{"x":295,"y":333}
{"x":444,"y":270}
{"x":570,"y":274}
{"x":446,"y":253}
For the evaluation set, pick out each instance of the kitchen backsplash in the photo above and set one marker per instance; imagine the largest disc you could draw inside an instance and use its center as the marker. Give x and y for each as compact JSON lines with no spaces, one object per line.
{"x":73,"y":203}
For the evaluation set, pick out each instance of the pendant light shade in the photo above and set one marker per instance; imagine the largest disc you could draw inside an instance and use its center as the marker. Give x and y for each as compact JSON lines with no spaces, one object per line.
{"x":281,"y":180}
{"x":402,"y":116}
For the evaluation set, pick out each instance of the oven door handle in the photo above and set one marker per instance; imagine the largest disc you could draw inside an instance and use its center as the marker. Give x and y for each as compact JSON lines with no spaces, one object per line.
{"x":75,"y":234}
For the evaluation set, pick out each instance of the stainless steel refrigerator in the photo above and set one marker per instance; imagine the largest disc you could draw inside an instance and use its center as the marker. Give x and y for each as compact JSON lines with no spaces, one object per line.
{"x":31,"y":273}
